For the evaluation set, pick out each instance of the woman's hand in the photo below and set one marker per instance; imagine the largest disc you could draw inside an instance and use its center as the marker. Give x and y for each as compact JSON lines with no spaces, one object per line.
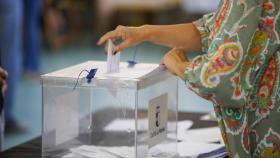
{"x":3,"y":82}
{"x":129,"y":35}
{"x":184,"y":36}
{"x":175,"y":61}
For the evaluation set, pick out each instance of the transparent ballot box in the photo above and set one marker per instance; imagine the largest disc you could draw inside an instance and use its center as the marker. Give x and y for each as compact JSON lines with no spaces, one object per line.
{"x":129,"y":114}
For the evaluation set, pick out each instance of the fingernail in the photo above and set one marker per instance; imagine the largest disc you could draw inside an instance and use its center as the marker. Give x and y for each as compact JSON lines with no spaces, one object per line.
{"x":115,"y":51}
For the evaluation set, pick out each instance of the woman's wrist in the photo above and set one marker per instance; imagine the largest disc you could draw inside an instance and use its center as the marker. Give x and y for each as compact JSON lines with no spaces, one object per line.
{"x":146,"y":32}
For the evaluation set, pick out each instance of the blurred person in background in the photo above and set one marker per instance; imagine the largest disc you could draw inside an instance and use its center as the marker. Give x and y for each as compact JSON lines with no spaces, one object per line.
{"x":239,"y":71}
{"x":19,"y":33}
{"x":31,"y":38}
{"x":11,"y":52}
{"x":55,"y":24}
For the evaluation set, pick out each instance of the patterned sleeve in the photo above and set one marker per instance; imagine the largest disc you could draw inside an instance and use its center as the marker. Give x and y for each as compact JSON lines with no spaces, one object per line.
{"x":193,"y":79}
{"x":192,"y":72}
{"x":214,"y":75}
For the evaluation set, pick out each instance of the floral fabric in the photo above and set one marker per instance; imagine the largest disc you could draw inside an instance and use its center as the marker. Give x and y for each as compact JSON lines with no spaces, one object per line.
{"x":240,"y":74}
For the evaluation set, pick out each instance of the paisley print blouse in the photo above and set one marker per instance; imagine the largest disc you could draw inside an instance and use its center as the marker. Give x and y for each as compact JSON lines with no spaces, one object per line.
{"x":240,"y":74}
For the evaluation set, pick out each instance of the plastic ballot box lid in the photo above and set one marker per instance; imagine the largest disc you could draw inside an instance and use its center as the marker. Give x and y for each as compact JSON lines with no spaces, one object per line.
{"x":139,"y":71}
{"x":141,"y":75}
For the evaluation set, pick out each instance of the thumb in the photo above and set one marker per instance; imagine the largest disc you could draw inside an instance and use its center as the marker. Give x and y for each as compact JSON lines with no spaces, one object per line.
{"x":121,"y":46}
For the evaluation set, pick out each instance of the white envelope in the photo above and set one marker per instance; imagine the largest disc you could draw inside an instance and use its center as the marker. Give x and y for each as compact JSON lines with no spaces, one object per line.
{"x":113,"y":61}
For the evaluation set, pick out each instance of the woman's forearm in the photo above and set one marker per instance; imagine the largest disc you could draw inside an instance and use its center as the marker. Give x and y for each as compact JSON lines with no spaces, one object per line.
{"x":184,"y":36}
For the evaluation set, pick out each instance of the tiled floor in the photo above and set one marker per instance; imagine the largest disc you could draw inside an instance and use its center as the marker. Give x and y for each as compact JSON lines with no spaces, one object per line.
{"x":28,"y":108}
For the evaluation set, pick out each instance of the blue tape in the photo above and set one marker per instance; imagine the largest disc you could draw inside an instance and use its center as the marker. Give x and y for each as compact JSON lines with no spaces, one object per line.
{"x":91,"y":74}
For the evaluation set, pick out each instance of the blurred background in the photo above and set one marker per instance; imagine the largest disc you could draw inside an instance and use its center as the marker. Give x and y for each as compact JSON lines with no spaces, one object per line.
{"x":40,"y":36}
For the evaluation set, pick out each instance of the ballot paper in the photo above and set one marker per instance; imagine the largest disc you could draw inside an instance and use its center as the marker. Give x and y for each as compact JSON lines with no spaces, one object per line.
{"x":194,"y":149}
{"x":185,"y":149}
{"x":118,"y":125}
{"x":183,"y":126}
{"x":204,"y":135}
{"x":113,"y":61}
{"x":217,"y":153}
{"x":86,"y":151}
{"x":188,"y":149}
{"x":209,"y":117}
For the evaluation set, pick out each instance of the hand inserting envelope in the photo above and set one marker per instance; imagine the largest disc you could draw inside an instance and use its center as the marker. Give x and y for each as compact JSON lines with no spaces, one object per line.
{"x":113,"y":61}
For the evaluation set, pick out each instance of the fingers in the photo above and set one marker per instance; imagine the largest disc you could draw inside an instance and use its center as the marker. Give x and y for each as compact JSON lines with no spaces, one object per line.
{"x":180,"y":53}
{"x":164,"y":59}
{"x":109,"y":35}
{"x":129,"y":36}
{"x":121,"y":46}
{"x":118,"y":48}
{"x":171,"y":62}
{"x":118,"y":32}
{"x":162,"y":62}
